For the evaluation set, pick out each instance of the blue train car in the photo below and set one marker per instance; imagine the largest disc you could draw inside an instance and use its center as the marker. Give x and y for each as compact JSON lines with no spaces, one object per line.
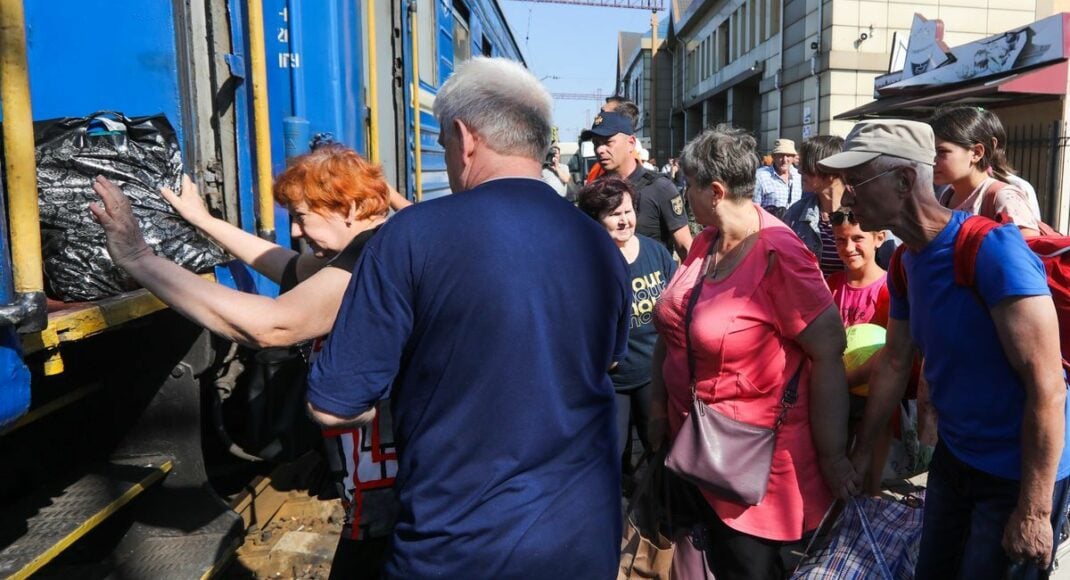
{"x":104,"y":404}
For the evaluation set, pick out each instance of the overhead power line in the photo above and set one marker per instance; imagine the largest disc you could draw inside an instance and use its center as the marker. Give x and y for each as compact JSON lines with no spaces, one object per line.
{"x":597,"y":96}
{"x":637,"y":4}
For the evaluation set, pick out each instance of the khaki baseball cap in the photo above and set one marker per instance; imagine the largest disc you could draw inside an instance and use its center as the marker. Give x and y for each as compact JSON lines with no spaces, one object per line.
{"x":895,"y":137}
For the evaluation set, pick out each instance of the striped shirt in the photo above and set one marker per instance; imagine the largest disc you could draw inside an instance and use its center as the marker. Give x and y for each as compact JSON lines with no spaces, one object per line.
{"x":829,"y":258}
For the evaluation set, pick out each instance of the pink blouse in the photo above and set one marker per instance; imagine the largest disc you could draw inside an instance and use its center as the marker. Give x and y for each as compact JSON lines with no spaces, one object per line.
{"x":743,"y":332}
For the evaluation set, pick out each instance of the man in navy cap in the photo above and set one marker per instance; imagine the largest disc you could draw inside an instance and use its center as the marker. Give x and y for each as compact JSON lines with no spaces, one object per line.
{"x":659,"y":206}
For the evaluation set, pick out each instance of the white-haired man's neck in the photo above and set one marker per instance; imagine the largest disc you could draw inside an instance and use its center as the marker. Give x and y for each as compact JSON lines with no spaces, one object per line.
{"x":488,"y":165}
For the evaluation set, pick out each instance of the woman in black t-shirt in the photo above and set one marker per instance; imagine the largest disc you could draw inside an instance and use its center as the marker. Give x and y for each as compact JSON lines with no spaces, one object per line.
{"x":609,"y":201}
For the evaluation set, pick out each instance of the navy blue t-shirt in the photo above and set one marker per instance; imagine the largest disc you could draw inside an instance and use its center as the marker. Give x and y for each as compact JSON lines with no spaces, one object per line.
{"x":978,"y":396}
{"x":649,"y":274}
{"x":492,"y":335}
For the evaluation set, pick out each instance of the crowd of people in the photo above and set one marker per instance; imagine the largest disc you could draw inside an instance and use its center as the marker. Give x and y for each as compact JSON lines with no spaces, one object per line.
{"x":510,"y":342}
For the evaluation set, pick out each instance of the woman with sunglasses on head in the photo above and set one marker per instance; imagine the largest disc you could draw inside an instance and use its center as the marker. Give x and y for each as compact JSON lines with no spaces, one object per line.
{"x":609,"y":202}
{"x":970,"y":158}
{"x":809,"y":217}
{"x":747,"y":331}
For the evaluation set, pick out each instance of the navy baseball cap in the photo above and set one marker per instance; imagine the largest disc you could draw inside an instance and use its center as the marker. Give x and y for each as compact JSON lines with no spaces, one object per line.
{"x":608,"y":124}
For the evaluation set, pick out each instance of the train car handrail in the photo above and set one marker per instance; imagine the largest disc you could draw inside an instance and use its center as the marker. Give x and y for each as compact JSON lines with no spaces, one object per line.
{"x":261,"y":120}
{"x":28,"y":310}
{"x":418,"y":149}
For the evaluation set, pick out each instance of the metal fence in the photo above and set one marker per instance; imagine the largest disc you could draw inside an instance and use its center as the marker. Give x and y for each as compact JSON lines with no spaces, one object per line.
{"x":1036,"y":152}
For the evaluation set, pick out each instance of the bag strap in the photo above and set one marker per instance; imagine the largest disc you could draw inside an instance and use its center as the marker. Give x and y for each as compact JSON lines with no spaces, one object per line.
{"x":791,"y":392}
{"x":968,"y":245}
{"x":882,"y":565}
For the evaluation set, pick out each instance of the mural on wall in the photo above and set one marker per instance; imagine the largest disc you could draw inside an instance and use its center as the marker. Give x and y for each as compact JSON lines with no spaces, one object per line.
{"x":930,"y":63}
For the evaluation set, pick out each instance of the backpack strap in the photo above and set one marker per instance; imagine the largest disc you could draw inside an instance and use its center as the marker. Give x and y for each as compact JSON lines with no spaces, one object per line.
{"x":968,"y":245}
{"x":897,"y":275}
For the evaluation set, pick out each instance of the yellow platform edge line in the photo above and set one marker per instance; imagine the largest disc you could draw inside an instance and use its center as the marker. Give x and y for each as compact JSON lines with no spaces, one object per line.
{"x":92,"y":522}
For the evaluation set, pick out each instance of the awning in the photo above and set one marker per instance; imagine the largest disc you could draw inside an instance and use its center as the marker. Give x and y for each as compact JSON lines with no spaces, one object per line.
{"x":1043,"y":83}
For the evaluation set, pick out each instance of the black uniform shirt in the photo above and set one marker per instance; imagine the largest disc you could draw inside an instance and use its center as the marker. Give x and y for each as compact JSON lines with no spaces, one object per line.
{"x":660,"y":209}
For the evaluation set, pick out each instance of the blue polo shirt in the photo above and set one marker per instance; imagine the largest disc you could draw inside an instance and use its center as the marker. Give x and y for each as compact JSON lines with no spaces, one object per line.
{"x":978,"y":396}
{"x":490,"y":319}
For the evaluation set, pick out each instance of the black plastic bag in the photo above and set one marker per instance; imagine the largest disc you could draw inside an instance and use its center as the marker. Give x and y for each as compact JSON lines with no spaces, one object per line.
{"x":140,"y":155}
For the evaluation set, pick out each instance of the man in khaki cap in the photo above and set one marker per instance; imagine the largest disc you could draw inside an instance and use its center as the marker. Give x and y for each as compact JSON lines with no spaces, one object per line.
{"x":998,"y":479}
{"x":778,"y":186}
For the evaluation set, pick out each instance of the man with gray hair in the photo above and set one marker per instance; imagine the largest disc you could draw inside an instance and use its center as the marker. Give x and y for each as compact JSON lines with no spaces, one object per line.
{"x":998,"y":479}
{"x":490,"y":318}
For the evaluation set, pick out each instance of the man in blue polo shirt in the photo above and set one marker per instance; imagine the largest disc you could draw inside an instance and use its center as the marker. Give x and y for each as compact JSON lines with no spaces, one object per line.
{"x":490,"y":318}
{"x":998,"y":479}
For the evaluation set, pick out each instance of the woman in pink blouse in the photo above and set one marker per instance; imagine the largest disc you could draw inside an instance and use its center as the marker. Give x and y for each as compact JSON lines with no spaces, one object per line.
{"x":763,"y":311}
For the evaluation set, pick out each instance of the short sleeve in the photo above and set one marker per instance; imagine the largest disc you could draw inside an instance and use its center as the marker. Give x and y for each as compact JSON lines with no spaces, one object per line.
{"x":362,"y":354}
{"x":668,"y":264}
{"x":757,"y":196}
{"x":794,"y":283}
{"x":1006,"y":267}
{"x":1011,"y":206}
{"x":671,"y":205}
{"x":898,"y":303}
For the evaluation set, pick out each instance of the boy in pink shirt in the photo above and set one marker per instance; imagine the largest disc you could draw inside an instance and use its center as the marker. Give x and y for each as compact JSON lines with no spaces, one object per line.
{"x":860,"y":292}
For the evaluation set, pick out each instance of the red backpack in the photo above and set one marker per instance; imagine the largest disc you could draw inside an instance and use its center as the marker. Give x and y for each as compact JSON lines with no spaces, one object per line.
{"x":1053,"y":250}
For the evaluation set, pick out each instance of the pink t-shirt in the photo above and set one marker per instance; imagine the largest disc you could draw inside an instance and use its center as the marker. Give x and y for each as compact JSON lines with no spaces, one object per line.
{"x":857,"y":305}
{"x":743,"y":332}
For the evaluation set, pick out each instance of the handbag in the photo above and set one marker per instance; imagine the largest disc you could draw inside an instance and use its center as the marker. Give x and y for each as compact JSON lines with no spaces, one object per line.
{"x":645,"y":551}
{"x":875,"y":538}
{"x":726,"y":457}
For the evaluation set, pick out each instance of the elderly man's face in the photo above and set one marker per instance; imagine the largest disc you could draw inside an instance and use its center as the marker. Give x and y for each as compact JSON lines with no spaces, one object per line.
{"x":871,"y":195}
{"x":782,"y":163}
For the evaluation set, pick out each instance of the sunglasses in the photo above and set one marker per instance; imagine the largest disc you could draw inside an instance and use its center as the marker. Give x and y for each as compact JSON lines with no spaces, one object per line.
{"x":840,"y":216}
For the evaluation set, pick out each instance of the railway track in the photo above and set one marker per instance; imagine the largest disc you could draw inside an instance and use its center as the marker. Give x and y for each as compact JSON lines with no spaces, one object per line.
{"x":289,"y":534}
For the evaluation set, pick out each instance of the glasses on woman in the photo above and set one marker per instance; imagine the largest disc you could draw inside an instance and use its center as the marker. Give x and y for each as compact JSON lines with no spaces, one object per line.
{"x":838,"y":217}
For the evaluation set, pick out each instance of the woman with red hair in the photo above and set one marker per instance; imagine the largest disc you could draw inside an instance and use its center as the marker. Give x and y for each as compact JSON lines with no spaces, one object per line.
{"x":337,"y":201}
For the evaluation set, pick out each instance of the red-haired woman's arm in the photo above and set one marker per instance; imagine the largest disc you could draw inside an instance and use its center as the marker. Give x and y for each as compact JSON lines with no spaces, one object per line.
{"x":266,"y":257}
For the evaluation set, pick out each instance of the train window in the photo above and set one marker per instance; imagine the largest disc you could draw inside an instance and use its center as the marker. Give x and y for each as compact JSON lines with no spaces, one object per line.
{"x":462,"y":38}
{"x":425,"y":19}
{"x":487,"y":49}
